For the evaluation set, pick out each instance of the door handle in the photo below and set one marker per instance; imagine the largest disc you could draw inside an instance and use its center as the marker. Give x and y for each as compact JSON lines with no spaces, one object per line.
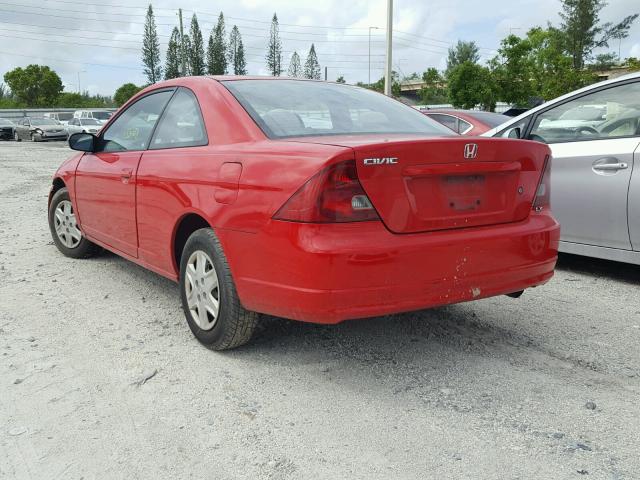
{"x":608,"y":167}
{"x":125,"y":174}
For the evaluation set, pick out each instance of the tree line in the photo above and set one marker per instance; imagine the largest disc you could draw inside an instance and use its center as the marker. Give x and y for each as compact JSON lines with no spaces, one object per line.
{"x":186,"y":53}
{"x":543,"y":64}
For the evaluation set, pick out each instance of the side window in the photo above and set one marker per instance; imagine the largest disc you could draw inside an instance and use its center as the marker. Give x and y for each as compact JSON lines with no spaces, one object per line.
{"x":181,"y":124}
{"x":446,"y":120}
{"x":515,"y":130}
{"x":610,"y":113}
{"x":463,"y":126}
{"x":133,"y":128}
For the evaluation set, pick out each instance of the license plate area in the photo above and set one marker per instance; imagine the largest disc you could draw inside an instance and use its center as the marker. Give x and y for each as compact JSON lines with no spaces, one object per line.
{"x":465,"y":192}
{"x":447,"y":200}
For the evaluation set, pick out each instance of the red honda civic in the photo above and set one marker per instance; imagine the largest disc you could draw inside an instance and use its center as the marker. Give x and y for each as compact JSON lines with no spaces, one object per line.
{"x":306,"y":200}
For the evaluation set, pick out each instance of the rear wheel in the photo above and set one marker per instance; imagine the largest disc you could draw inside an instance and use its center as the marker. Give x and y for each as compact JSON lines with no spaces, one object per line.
{"x":209,"y":298}
{"x":64,"y":228}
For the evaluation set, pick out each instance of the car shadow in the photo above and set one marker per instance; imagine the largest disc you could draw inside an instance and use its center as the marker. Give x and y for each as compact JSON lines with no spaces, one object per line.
{"x":595,"y":267}
{"x":439,"y":339}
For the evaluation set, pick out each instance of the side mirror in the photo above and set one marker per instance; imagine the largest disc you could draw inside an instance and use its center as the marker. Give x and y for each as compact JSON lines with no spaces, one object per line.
{"x":514,"y":133}
{"x":83,"y":142}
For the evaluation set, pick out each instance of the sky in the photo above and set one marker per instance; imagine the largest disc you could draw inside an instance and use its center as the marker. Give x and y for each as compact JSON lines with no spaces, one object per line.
{"x":97,"y":43}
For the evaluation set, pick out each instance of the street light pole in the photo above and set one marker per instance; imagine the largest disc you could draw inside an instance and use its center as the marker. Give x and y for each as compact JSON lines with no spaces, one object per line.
{"x":79,"y":72}
{"x":387,"y":67}
{"x":370,"y":28}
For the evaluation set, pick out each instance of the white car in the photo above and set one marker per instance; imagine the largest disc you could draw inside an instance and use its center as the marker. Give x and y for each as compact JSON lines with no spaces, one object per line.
{"x":83,"y":125}
{"x":100,"y":115}
{"x":594,"y":136}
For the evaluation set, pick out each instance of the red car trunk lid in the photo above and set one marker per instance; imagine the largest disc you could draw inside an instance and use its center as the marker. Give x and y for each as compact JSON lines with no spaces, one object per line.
{"x":436,"y":184}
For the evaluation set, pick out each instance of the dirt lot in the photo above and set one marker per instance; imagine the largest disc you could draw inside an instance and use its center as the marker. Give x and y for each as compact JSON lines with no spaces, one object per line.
{"x":545,"y":387}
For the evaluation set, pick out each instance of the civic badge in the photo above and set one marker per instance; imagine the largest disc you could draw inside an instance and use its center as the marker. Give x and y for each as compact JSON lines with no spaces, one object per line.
{"x":471,"y":150}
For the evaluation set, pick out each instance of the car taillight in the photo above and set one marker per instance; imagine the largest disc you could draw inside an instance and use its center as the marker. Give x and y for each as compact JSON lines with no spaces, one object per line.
{"x":333,"y":195}
{"x":543,"y":193}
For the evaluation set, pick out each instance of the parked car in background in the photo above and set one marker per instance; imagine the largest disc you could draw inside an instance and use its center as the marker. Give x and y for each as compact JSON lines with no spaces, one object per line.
{"x":594,"y":134}
{"x":101,"y":115}
{"x":39,"y":129}
{"x":83,"y":125}
{"x":232,"y":187}
{"x":62,"y":117}
{"x":467,"y":122}
{"x":7,"y":128}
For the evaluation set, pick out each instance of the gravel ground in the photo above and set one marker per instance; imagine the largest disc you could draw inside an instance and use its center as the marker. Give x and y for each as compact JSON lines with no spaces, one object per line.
{"x":101,"y":378}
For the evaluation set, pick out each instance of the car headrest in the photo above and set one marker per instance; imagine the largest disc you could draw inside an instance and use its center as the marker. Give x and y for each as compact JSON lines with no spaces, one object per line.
{"x":283,"y":122}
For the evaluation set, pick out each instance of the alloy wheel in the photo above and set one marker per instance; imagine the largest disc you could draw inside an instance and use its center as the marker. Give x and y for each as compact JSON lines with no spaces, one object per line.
{"x":202,"y":290}
{"x":65,"y":224}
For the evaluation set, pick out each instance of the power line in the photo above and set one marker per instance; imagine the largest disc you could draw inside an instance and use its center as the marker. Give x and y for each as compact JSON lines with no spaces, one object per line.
{"x":422,"y":38}
{"x":47,"y":40}
{"x":173,"y":25}
{"x":110,"y":5}
{"x":71,"y":61}
{"x":75,"y":44}
{"x":321,"y":54}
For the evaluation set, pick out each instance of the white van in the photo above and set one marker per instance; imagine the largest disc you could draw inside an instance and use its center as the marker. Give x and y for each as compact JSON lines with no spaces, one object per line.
{"x":62,"y":117}
{"x":101,"y":115}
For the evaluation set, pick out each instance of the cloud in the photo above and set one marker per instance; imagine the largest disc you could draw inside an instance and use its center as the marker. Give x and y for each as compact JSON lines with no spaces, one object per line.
{"x":423,"y":33}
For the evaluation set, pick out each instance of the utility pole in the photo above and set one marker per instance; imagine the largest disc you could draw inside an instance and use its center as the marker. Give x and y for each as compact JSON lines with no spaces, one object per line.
{"x":387,"y":67}
{"x":370,"y":28}
{"x":79,"y":88}
{"x":182,"y":52}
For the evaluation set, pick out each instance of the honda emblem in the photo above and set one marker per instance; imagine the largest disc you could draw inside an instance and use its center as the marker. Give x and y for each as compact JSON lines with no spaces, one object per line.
{"x":470,"y":150}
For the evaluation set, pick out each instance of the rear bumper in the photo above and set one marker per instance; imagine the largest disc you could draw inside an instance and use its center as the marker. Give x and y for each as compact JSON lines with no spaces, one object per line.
{"x":331,"y":273}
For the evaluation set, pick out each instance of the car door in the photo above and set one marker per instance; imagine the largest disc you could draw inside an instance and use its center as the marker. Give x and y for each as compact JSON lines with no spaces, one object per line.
{"x":106,"y":178}
{"x":634,"y":202}
{"x":23,"y":129}
{"x":593,"y":138}
{"x":177,"y":166}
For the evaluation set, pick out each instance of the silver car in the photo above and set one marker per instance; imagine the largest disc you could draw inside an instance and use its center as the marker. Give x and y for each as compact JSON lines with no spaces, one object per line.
{"x":39,"y":129}
{"x":83,"y":125}
{"x":594,"y":134}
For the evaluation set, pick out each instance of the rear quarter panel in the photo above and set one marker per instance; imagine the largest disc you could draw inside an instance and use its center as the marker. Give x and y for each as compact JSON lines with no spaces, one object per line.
{"x":173,"y":183}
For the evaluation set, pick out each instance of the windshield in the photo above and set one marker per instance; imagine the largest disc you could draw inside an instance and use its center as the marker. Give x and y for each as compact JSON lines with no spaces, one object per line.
{"x":294,"y":108}
{"x":65,"y":116}
{"x":44,"y":121}
{"x":89,"y":121}
{"x":5,"y":123}
{"x":102,"y":115}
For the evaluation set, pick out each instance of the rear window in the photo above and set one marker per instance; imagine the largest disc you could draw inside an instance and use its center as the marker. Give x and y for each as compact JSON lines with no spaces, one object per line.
{"x":294,"y":108}
{"x":65,"y":116}
{"x":491,"y":119}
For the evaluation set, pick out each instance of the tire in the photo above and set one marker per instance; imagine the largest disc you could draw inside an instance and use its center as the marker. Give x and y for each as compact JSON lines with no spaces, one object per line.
{"x":16,"y":137}
{"x":233,"y":326}
{"x":32,"y":137}
{"x":64,"y":241}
